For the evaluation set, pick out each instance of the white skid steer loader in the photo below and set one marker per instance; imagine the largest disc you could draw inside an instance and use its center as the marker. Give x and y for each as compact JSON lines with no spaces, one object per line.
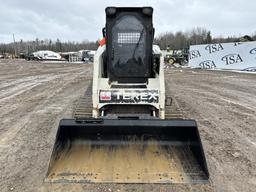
{"x":127,"y":138}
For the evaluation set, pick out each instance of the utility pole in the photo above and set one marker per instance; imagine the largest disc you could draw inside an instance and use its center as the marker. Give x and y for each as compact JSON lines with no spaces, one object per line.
{"x":14,"y":45}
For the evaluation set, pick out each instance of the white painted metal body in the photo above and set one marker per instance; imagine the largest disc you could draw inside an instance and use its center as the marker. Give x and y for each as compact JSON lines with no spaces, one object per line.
{"x":100,"y":83}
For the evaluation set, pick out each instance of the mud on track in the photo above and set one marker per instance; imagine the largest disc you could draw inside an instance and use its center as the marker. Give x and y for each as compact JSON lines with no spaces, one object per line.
{"x":34,"y":96}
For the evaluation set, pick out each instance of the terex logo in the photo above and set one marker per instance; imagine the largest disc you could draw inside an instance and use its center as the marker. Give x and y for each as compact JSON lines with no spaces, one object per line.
{"x":129,"y":96}
{"x":208,"y":64}
{"x":105,"y":96}
{"x":212,"y":48}
{"x":253,"y":51}
{"x":194,"y":54}
{"x":232,"y":59}
{"x":143,"y":96}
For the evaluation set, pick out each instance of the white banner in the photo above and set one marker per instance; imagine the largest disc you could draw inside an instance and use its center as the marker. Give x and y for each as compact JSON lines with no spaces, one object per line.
{"x":240,"y":55}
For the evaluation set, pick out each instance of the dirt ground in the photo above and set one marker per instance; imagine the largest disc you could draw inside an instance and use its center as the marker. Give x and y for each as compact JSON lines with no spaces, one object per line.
{"x":224,"y":106}
{"x":34,"y":96}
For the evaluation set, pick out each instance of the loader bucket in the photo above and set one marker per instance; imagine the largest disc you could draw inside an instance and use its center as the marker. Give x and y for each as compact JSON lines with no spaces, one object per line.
{"x":128,"y":151}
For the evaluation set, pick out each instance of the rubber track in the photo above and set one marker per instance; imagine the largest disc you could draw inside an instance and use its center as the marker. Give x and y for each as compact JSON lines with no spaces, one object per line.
{"x":84,"y":106}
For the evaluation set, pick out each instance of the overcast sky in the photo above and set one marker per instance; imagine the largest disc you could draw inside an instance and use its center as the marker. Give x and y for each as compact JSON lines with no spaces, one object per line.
{"x":78,"y":20}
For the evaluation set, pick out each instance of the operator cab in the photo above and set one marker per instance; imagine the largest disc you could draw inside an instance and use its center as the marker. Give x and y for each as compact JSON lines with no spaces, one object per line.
{"x":129,"y":33}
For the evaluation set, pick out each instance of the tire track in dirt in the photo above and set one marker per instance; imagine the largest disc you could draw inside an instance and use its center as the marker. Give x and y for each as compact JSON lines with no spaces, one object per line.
{"x":39,"y":87}
{"x":26,"y":139}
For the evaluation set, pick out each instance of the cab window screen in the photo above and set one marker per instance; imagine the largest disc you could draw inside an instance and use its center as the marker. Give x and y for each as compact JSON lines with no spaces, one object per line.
{"x":126,"y":38}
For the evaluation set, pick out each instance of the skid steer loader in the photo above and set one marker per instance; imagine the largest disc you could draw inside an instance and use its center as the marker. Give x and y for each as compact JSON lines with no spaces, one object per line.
{"x":125,"y":135}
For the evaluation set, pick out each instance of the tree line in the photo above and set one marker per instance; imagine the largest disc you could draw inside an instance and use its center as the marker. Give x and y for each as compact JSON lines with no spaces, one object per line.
{"x":26,"y":47}
{"x":196,"y":36}
{"x":174,"y":41}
